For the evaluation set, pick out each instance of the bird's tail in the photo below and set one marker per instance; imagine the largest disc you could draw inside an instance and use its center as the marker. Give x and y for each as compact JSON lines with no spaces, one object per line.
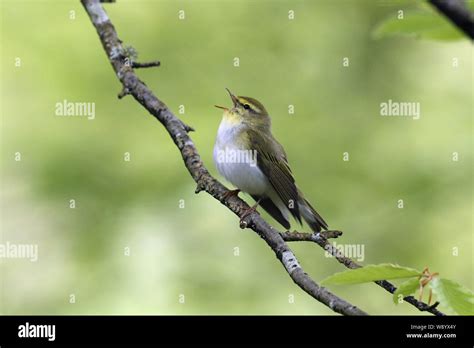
{"x":311,"y":216}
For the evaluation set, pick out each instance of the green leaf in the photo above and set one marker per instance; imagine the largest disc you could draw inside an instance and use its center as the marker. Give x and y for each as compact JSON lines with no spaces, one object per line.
{"x":405,"y":289}
{"x":423,"y":25}
{"x":371,"y":273}
{"x":453,"y":295}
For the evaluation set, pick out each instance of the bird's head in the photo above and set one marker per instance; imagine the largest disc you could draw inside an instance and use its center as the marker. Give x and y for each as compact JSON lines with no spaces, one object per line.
{"x":246,"y":110}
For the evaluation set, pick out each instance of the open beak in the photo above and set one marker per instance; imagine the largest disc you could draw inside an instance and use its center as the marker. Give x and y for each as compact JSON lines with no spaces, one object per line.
{"x":234,"y":100}
{"x":221,"y":107}
{"x":233,"y":97}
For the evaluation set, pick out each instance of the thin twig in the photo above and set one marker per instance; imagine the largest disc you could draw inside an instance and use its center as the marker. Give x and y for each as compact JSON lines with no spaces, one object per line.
{"x":137,"y":65}
{"x":123,"y":93}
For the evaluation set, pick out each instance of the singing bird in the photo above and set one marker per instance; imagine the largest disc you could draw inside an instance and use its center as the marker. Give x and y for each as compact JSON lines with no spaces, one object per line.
{"x":249,"y":157}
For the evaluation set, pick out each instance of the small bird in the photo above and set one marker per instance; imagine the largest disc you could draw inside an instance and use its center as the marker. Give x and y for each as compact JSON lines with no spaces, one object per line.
{"x":248,"y":156}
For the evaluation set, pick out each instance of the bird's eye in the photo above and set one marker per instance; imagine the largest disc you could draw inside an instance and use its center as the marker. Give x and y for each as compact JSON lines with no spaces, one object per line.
{"x":246,"y":106}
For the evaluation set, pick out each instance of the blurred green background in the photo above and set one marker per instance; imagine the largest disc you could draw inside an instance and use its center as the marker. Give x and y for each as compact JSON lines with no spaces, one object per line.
{"x":191,"y":251}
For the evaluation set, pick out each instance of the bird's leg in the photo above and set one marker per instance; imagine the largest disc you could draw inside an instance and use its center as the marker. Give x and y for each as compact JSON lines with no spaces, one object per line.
{"x":230,"y":193}
{"x":249,"y":211}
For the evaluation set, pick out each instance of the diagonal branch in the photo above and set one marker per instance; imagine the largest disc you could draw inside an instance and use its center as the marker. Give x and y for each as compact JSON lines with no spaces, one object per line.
{"x":458,"y":13}
{"x":205,"y":182}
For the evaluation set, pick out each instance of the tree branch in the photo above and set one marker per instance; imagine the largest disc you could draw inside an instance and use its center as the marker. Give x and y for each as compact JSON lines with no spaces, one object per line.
{"x":309,"y":237}
{"x":321,"y":239}
{"x":458,"y":13}
{"x":137,"y":65}
{"x":205,"y":182}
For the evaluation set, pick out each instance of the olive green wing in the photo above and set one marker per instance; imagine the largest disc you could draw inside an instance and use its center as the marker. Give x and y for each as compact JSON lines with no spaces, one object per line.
{"x":271,"y":160}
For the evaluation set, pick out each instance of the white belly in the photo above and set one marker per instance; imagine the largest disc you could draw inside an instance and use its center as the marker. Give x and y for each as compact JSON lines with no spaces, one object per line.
{"x":236,"y":164}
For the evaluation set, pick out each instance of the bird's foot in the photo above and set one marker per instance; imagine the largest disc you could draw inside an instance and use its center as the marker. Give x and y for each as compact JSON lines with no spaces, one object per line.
{"x":230,"y":193}
{"x":247,"y":212}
